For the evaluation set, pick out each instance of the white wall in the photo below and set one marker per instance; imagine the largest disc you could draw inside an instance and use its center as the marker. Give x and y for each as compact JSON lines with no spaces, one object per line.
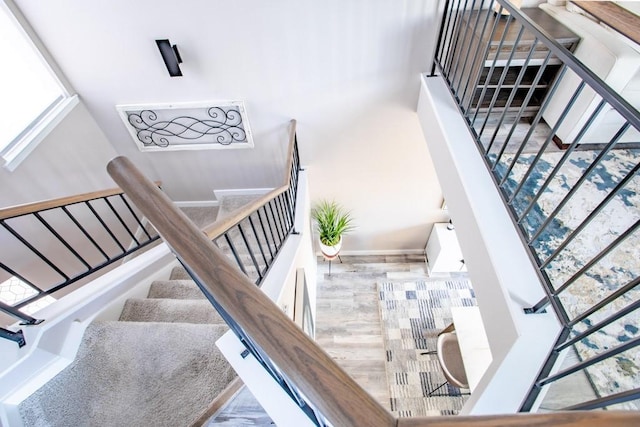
{"x":347,"y":71}
{"x":72,"y":159}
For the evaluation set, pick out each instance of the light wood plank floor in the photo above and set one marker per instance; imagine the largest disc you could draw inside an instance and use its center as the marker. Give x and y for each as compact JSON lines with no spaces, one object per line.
{"x":348,"y":323}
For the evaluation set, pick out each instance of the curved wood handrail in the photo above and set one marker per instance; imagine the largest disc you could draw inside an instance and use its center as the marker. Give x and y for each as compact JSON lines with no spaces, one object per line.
{"x":220,"y":226}
{"x":614,"y":16}
{"x":43,"y":205}
{"x":562,"y":419}
{"x":338,"y":397}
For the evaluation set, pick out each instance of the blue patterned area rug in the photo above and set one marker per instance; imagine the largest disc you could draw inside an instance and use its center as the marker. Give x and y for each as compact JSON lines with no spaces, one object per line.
{"x":608,"y":274}
{"x":413,"y":313}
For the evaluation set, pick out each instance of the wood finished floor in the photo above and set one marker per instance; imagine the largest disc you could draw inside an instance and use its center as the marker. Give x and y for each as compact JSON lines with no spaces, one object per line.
{"x":348,"y":327}
{"x":348,"y":323}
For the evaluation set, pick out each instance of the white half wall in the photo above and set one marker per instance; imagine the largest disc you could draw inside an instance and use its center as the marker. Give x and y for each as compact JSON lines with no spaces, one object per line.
{"x":502,"y":275}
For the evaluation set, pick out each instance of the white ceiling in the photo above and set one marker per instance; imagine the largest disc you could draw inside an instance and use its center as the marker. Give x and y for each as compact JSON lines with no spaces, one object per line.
{"x":347,"y":70}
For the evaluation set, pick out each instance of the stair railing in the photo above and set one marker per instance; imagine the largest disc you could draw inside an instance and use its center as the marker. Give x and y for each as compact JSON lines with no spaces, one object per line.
{"x":327,"y":394}
{"x":497,"y":79}
{"x":264,"y":224}
{"x":50,"y":245}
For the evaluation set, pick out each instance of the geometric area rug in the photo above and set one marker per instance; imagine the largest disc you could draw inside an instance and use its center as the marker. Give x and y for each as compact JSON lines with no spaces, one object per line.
{"x":413,"y":313}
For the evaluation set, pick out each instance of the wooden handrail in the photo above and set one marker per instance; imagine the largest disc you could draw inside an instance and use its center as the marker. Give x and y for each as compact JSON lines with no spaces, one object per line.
{"x":217,"y":228}
{"x":615,"y":16}
{"x":562,"y":419}
{"x":338,"y":397}
{"x":28,"y":208}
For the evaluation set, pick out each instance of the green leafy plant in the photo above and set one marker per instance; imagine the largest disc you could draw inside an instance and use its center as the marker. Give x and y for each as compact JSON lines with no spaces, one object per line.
{"x":332,"y":221}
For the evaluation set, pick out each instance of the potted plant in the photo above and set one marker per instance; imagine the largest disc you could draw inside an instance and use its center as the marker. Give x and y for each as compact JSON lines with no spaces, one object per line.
{"x":332,"y":221}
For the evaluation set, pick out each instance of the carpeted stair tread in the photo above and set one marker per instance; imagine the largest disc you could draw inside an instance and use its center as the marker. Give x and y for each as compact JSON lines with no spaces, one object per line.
{"x":176,"y":289}
{"x":179,"y":273}
{"x":118,"y":378}
{"x":170,"y":310}
{"x":201,"y":216}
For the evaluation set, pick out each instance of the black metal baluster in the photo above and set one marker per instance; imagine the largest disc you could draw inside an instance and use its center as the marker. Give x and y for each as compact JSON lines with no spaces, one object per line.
{"x":84,"y":231}
{"x":33,"y":249}
{"x":21,"y":278}
{"x":235,"y":253}
{"x":446,"y":36}
{"x":255,"y":233}
{"x":606,"y":301}
{"x":534,"y":125}
{"x":600,"y":325}
{"x":285,"y":212}
{"x":604,"y":252}
{"x":264,"y":231}
{"x":281,"y":217}
{"x":439,"y":42}
{"x":14,"y":312}
{"x":627,"y":345}
{"x":512,"y":95}
{"x":142,"y":227}
{"x":593,"y":214}
{"x":580,"y":181}
{"x":456,"y":30}
{"x":562,"y":161}
{"x":253,"y":258}
{"x":533,"y":164}
{"x":525,"y":104}
{"x":61,"y":240}
{"x":483,"y":57}
{"x":276,"y":225}
{"x":491,"y":69}
{"x":126,"y":227}
{"x":602,"y":402}
{"x":104,"y":225}
{"x":464,"y":39}
{"x":546,"y":369}
{"x":286,"y":205}
{"x":503,"y":75}
{"x":476,"y":54}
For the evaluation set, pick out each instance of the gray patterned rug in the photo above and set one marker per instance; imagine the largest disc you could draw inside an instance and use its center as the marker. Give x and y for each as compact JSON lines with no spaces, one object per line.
{"x":412,"y":314}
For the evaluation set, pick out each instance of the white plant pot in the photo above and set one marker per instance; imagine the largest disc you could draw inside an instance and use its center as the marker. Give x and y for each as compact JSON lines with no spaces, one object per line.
{"x":330,"y":252}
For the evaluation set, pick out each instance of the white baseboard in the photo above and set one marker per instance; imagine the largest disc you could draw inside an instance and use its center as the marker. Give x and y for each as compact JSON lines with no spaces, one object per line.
{"x":240,"y":192}
{"x":380,"y":252}
{"x":197,"y":203}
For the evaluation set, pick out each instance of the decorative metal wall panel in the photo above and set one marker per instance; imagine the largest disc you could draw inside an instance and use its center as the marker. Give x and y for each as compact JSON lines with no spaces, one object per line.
{"x":189,"y":126}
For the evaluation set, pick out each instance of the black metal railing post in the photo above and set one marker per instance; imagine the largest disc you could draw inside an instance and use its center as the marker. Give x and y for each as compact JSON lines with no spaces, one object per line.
{"x":17,"y":337}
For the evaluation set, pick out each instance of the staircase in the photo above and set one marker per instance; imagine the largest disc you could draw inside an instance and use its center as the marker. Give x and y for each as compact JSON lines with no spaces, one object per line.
{"x":156,"y":365}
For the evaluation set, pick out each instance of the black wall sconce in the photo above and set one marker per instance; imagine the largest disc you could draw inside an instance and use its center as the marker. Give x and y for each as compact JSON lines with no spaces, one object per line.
{"x":170,"y":56}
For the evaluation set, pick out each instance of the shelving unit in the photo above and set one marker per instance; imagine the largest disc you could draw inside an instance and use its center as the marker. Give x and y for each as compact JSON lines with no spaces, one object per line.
{"x":477,"y":74}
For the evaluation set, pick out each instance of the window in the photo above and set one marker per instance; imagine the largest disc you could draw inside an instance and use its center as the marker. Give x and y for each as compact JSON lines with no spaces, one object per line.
{"x":33,"y":99}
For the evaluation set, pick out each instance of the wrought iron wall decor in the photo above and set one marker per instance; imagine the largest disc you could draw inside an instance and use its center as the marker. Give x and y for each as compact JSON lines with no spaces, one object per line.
{"x":193,"y":126}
